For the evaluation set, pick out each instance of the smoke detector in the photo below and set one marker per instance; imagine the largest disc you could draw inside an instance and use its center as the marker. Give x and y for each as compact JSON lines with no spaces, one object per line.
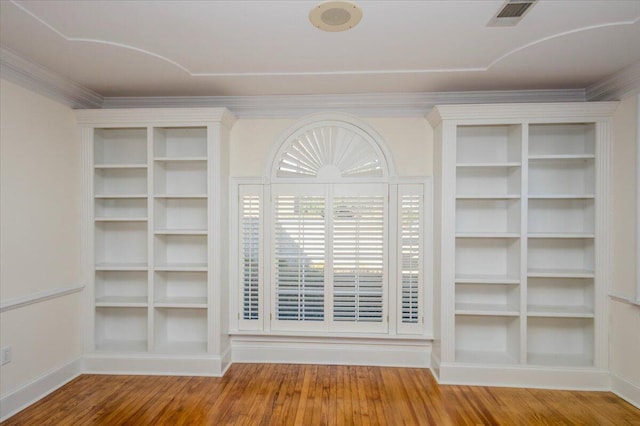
{"x":335,"y":15}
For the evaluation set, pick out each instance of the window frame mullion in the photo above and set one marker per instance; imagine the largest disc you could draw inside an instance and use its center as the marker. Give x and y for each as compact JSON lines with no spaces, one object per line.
{"x":328,"y":247}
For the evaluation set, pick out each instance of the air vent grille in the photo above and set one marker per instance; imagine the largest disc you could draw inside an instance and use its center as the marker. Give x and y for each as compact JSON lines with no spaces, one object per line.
{"x":511,"y":13}
{"x":514,"y":10}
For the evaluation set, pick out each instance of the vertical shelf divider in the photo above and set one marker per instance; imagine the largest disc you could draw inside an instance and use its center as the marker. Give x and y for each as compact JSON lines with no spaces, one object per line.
{"x":448,"y":243}
{"x":524,"y":233}
{"x":602,"y":261}
{"x":150,"y":240}
{"x":213,"y":164}
{"x":88,"y":248}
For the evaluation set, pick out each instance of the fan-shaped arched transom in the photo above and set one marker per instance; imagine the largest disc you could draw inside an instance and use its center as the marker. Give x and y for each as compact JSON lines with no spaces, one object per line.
{"x":330,"y":150}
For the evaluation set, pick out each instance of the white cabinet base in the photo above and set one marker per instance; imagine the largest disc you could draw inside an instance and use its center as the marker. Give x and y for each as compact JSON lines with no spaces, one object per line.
{"x":156,"y":364}
{"x":523,"y":377}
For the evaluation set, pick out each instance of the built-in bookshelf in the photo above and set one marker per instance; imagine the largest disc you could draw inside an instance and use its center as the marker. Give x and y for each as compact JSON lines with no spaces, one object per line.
{"x":521,"y":212}
{"x":153,"y":203}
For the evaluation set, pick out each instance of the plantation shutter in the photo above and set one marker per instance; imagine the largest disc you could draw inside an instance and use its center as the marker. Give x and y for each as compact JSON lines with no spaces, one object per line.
{"x":250,"y":238}
{"x":359,"y":257}
{"x":299,"y":257}
{"x":410,"y":248}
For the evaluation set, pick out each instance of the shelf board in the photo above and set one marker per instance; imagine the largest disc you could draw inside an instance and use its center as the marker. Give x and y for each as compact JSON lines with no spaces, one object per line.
{"x":559,"y":360}
{"x":181,"y":232}
{"x":117,"y":196}
{"x":561,"y":196}
{"x":486,"y":309}
{"x":555,"y":311}
{"x":167,"y":159}
{"x":182,"y":267}
{"x":487,"y":196}
{"x":181,"y":302}
{"x":121,"y":166}
{"x":180,"y":196}
{"x":122,"y":346}
{"x":491,"y":164}
{"x":121,"y":267}
{"x":186,"y":348}
{"x":561,"y":235}
{"x":562,"y":157}
{"x":487,"y":235}
{"x":122,"y":301}
{"x":560,"y":273}
{"x":486,"y":279}
{"x":120,"y":219}
{"x":485,"y":357}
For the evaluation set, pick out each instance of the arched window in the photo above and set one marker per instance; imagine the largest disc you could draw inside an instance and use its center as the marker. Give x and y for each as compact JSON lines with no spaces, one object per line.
{"x":331,"y":150}
{"x":330,"y":243}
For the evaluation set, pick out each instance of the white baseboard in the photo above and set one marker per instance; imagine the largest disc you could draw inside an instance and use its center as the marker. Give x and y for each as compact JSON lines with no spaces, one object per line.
{"x":332,"y":351}
{"x":225,"y":360}
{"x":435,"y":365}
{"x":153,"y":364}
{"x":39,"y":388}
{"x":525,"y":377}
{"x":626,"y":390}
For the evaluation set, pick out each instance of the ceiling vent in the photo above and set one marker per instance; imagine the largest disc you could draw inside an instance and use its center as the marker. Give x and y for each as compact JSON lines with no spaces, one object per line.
{"x":511,"y":13}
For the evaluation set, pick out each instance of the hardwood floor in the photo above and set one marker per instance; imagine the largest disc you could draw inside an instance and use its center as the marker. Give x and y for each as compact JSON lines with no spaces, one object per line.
{"x":269,"y":394}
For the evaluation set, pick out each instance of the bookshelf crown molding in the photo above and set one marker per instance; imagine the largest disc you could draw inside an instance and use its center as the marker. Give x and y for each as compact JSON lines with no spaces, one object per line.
{"x":560,"y":111}
{"x":140,"y":117}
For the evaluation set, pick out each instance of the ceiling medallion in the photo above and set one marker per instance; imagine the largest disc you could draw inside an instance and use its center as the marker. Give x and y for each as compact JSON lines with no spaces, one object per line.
{"x":335,"y":16}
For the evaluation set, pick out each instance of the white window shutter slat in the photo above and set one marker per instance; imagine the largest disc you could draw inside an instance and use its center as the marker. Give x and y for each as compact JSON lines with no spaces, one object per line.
{"x":358,"y":258}
{"x":250,"y":257}
{"x":410,"y":254}
{"x":299,"y":257}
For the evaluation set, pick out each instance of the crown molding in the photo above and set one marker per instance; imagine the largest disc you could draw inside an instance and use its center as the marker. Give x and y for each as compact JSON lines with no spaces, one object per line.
{"x":618,"y":85}
{"x":38,"y":79}
{"x":368,"y":104}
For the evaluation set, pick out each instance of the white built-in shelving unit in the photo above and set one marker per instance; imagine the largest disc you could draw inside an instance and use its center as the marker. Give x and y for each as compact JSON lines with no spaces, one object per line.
{"x":521,"y":228}
{"x":155,"y":219}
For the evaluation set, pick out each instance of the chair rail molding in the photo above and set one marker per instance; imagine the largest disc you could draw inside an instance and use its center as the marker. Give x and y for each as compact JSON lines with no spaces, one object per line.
{"x":19,"y":302}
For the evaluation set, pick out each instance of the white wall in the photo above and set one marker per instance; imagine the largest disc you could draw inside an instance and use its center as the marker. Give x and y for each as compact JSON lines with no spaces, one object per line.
{"x":40,"y":175}
{"x":410,"y":141}
{"x":624,"y":327}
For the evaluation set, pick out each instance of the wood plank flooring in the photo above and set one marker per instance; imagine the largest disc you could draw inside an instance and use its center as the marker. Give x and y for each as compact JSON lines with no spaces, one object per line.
{"x":270,"y":394}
